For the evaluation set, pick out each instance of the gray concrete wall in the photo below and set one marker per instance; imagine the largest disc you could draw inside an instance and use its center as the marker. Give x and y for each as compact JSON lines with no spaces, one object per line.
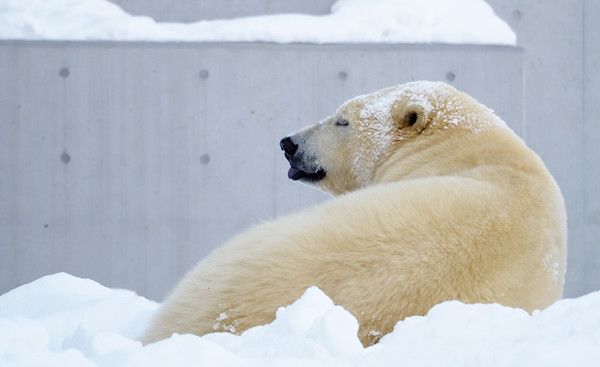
{"x":174,"y":164}
{"x":561,"y":93}
{"x":128,"y":162}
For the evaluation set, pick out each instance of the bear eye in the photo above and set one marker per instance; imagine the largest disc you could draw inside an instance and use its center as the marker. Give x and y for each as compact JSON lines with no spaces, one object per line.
{"x":342,"y":122}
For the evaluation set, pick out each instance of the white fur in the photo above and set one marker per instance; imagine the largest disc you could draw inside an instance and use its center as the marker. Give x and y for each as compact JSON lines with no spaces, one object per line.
{"x":452,"y":206}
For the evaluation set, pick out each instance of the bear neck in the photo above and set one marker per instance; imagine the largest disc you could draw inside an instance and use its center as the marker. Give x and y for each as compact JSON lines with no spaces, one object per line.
{"x":457,"y":154}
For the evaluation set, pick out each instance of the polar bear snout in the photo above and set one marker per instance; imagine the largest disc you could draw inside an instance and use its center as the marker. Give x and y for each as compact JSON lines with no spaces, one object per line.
{"x":301,"y":168}
{"x":288,"y":147}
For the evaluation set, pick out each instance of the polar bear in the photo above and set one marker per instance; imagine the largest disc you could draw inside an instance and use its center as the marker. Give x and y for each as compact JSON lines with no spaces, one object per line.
{"x":436,"y":199}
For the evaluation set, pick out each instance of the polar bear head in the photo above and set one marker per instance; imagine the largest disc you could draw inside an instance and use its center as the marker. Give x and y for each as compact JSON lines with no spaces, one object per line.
{"x":343,"y":152}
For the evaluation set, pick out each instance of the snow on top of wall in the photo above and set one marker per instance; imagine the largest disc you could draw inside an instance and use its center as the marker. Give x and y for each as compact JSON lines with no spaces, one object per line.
{"x":350,"y":21}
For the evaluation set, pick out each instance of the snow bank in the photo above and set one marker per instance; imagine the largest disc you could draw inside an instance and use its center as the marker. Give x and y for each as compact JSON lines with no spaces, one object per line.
{"x":350,"y":21}
{"x":60,"y":320}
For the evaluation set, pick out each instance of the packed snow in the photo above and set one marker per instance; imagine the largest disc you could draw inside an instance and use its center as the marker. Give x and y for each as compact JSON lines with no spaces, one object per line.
{"x":350,"y":21}
{"x":60,"y":320}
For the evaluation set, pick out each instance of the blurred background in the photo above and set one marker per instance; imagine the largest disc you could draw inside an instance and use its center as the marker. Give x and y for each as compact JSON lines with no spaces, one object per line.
{"x":127,"y":162}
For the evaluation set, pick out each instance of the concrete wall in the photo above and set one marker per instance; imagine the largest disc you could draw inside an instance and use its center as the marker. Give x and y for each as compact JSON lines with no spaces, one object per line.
{"x":128,"y":162}
{"x":124,"y":162}
{"x":561,"y":46}
{"x":561,"y":92}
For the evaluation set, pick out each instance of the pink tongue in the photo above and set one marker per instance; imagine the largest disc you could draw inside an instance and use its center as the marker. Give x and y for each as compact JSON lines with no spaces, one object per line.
{"x":293,"y":171}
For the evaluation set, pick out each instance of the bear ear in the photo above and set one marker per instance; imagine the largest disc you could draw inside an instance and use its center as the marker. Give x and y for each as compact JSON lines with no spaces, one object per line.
{"x":410,"y":118}
{"x":413,"y":118}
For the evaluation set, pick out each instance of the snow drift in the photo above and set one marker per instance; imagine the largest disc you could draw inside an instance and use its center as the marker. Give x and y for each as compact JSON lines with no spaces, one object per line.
{"x":60,"y":320}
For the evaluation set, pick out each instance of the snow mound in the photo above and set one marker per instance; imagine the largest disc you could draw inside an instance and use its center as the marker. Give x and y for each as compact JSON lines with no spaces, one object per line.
{"x":61,"y":320}
{"x":350,"y":21}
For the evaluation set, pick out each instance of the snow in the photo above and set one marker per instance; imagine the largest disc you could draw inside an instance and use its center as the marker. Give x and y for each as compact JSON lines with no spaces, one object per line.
{"x":428,"y":97}
{"x":350,"y":21}
{"x":61,"y":320}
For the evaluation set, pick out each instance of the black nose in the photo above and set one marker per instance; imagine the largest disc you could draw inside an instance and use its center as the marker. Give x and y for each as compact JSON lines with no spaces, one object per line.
{"x":288,"y":147}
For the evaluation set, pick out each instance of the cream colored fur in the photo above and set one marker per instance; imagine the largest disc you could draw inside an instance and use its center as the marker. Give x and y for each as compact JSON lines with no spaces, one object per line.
{"x":449,"y":205}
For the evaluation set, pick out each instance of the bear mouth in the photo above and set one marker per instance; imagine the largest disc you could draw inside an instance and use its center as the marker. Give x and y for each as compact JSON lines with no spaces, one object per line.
{"x":296,"y":174}
{"x":310,"y":172}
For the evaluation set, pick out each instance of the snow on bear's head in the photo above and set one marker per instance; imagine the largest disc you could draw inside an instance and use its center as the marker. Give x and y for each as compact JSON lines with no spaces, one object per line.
{"x":342,"y":152}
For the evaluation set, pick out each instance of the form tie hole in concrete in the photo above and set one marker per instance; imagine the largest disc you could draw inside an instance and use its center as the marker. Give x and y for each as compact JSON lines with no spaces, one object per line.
{"x":516,"y":15}
{"x":65,"y":157}
{"x":450,"y":76}
{"x":203,"y":74}
{"x":204,"y":159}
{"x":64,"y":72}
{"x":342,"y":75}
